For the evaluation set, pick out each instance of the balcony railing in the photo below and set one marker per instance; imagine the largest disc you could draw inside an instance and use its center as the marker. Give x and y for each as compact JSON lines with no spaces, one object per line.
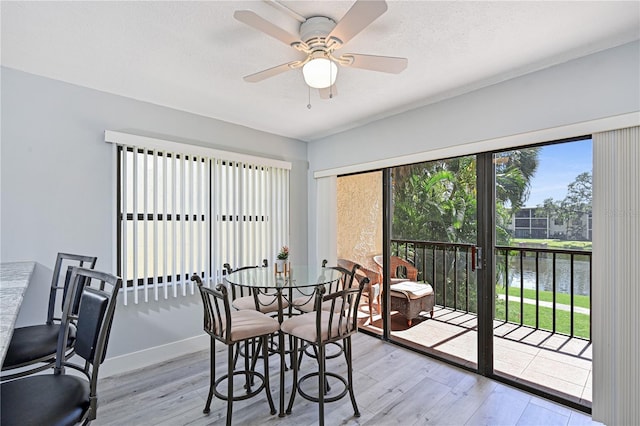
{"x":447,"y":267}
{"x":547,"y":289}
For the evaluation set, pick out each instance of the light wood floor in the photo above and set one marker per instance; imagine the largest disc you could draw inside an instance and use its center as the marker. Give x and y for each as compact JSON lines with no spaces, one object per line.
{"x":394,"y":386}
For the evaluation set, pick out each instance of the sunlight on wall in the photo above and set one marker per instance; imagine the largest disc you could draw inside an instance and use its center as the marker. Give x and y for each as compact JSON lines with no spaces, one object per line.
{"x":359,"y":216}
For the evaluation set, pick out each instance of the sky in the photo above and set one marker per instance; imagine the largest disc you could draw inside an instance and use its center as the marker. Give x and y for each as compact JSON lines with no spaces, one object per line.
{"x":558,"y":166}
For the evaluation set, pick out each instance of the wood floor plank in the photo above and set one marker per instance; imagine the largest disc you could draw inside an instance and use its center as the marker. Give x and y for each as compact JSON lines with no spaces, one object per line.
{"x":393,"y":386}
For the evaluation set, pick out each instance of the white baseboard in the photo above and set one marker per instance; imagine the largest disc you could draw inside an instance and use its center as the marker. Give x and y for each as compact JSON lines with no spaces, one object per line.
{"x":136,"y":360}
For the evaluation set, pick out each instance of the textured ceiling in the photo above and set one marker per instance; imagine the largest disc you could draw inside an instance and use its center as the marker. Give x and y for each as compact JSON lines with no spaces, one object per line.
{"x":192,"y":55}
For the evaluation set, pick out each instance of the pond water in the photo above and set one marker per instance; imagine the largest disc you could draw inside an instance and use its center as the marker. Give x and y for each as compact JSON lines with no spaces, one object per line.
{"x":545,"y":270}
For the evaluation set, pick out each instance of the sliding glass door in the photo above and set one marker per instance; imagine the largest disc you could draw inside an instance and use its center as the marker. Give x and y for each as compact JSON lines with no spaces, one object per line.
{"x":483,"y":261}
{"x":431,"y":284}
{"x":542,"y":316}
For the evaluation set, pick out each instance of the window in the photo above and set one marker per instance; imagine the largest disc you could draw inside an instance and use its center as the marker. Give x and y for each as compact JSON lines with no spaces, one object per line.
{"x":181,"y":213}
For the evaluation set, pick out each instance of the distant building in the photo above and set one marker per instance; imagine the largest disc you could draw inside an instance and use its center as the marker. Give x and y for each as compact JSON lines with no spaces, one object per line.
{"x":530,"y":222}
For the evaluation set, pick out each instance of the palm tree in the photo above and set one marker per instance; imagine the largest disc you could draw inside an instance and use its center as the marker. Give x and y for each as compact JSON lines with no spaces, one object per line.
{"x":436,"y":201}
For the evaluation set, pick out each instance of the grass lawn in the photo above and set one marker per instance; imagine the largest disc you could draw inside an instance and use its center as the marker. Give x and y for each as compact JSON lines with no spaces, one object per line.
{"x":554,"y":244}
{"x":547,"y":296}
{"x":545,"y":315}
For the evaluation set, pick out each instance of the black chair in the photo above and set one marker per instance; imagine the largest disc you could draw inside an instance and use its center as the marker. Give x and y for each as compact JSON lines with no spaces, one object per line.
{"x":306,"y":301}
{"x":230,"y":327}
{"x":59,"y":398}
{"x":252,"y":298}
{"x":259,"y":299}
{"x":320,"y":328}
{"x":33,"y":348}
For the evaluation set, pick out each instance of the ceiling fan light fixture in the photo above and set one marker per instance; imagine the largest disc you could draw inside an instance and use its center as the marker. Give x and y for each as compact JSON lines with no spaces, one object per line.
{"x":320,"y":73}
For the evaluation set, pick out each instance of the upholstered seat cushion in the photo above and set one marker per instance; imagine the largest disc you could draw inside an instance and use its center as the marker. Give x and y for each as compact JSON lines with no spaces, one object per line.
{"x":249,"y":323}
{"x":304,"y":303}
{"x":411,"y":290}
{"x":304,"y":326}
{"x":36,"y":342}
{"x":268,"y":303}
{"x":44,"y":400}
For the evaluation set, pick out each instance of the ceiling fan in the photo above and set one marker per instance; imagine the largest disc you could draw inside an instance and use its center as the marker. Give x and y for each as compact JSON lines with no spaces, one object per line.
{"x":319,"y":38}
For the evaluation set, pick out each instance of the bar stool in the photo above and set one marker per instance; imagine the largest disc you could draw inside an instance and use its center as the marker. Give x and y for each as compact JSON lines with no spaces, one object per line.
{"x":60,"y":398}
{"x":230,"y":327}
{"x":33,"y":348}
{"x":320,"y":328}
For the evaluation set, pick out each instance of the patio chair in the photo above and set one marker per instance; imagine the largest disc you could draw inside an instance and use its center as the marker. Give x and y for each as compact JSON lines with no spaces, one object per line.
{"x":408,"y":297}
{"x":401,"y":269}
{"x":373,"y":290}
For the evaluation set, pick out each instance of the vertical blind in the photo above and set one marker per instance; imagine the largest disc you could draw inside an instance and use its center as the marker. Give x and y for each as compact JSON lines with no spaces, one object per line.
{"x":181,"y":213}
{"x":616,"y":287}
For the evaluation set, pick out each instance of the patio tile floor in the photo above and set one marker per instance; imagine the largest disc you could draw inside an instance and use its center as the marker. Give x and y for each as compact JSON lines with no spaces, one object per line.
{"x":555,"y":363}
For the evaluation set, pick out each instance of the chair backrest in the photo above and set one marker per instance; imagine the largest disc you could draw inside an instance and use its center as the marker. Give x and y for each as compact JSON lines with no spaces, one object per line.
{"x":240,"y":291}
{"x":399,"y":268}
{"x":93,"y":325}
{"x":346,"y":278}
{"x":217,"y":310}
{"x":61,"y":278}
{"x":342,"y":307}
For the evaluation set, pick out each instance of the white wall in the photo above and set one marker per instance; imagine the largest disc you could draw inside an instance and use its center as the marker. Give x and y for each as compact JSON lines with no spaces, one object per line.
{"x":601,"y":85}
{"x":56,"y":170}
{"x":57,"y":191}
{"x":596,"y":93}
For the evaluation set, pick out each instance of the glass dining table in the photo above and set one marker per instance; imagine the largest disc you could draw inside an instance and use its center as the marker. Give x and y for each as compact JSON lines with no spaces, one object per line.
{"x":299,"y":279}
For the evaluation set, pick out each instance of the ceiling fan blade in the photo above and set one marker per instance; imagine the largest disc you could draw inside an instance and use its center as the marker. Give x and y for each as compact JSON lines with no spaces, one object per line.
{"x":361,"y":14}
{"x":388,"y":64}
{"x":253,"y":20}
{"x":328,"y":92}
{"x":271,"y":72}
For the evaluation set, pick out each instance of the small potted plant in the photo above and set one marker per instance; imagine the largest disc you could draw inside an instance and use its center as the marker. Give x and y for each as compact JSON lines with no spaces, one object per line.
{"x":281,"y":261}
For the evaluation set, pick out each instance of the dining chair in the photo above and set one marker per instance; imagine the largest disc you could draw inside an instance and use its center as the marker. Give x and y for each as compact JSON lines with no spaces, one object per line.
{"x":60,"y":398}
{"x":371,"y":292}
{"x":306,"y":301}
{"x":258,"y":299}
{"x":33,"y":348}
{"x":320,"y":328}
{"x":261,"y":300}
{"x":229,"y":327}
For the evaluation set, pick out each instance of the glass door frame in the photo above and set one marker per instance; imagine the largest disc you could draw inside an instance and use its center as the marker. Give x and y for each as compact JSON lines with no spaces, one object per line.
{"x":485,"y":272}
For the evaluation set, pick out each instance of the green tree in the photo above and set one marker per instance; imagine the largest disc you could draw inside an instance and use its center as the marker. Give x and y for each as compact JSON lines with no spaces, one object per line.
{"x":514,"y":171}
{"x":573,"y":208}
{"x":576,"y":205}
{"x":436,"y":201}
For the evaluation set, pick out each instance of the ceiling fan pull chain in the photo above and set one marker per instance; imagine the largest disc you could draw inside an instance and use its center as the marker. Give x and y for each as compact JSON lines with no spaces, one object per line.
{"x":309,"y":104}
{"x":330,"y":85}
